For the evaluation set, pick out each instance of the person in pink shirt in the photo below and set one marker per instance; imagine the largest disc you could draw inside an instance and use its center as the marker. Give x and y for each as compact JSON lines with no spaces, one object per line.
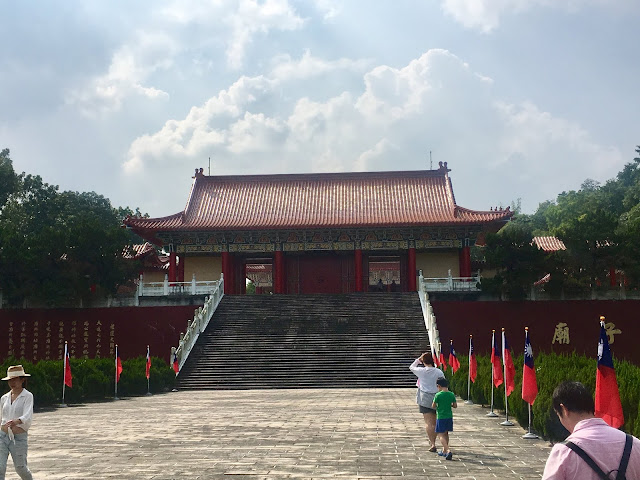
{"x":603,"y":444}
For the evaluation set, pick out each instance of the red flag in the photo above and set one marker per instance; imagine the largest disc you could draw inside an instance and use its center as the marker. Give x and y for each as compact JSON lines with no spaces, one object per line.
{"x":473,"y":363}
{"x":118,"y":365}
{"x":529,"y":383}
{"x":496,"y":363}
{"x":68,"y":378}
{"x":435,"y":359}
{"x":608,"y":406}
{"x":510,"y":369}
{"x":443,"y":363}
{"x":453,"y":359}
{"x":176,"y":366}
{"x":148,"y":363}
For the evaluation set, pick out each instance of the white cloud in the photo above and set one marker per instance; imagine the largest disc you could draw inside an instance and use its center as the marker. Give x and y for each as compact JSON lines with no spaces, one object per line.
{"x":130,"y":67}
{"x":286,"y":68}
{"x":485,"y":15}
{"x":436,"y":102}
{"x":179,"y":28}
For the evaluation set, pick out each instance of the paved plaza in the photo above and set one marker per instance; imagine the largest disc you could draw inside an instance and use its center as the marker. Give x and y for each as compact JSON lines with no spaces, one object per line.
{"x":341,"y":433}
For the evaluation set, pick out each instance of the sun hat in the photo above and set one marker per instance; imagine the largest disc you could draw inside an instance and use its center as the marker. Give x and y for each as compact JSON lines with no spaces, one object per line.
{"x":15,"y":371}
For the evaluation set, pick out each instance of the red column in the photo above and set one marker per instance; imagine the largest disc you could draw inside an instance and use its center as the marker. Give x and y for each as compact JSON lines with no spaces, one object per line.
{"x":243,"y":283}
{"x":411,"y":270}
{"x":612,"y":277}
{"x":181,"y":269}
{"x":226,"y":273}
{"x":465,"y":262}
{"x":278,"y":280}
{"x":172,"y":267}
{"x":358,"y":266}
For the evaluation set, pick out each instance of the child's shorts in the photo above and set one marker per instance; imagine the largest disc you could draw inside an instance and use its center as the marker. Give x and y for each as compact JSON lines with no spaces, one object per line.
{"x":444,"y":425}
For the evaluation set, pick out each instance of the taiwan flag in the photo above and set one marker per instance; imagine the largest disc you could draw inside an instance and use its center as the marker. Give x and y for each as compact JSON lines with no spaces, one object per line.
{"x":608,"y":406}
{"x":118,"y":365}
{"x":148,"y":372}
{"x":68,"y":378}
{"x":443,"y":363}
{"x":435,"y":359}
{"x":529,"y":382}
{"x":176,"y":366}
{"x":509,"y":368}
{"x":473,"y":363}
{"x":496,"y":362}
{"x":453,"y":359}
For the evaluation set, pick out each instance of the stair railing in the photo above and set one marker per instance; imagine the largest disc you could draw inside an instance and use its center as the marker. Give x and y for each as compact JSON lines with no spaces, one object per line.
{"x":427,"y":313}
{"x":197,"y":325}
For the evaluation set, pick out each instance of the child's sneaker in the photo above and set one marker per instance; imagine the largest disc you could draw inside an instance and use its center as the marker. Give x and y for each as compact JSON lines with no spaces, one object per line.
{"x":442,"y":454}
{"x":449,"y":456}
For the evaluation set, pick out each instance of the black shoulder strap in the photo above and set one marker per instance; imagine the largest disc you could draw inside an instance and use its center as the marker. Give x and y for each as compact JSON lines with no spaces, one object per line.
{"x":582,"y":454}
{"x":622,"y":470}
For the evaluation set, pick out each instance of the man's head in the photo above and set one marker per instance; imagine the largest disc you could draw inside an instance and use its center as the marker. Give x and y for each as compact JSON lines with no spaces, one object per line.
{"x":427,"y":359}
{"x":442,"y":383}
{"x":572,"y":402}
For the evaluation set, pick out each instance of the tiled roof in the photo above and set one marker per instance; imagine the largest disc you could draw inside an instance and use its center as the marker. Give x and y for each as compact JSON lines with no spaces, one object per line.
{"x":320,"y":200}
{"x":549,"y":244}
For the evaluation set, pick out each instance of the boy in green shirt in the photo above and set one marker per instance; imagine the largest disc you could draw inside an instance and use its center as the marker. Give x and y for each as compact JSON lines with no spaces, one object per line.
{"x":443,"y":402}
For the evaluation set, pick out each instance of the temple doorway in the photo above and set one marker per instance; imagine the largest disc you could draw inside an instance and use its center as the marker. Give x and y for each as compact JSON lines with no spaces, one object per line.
{"x":259,"y":271}
{"x":385,"y":274}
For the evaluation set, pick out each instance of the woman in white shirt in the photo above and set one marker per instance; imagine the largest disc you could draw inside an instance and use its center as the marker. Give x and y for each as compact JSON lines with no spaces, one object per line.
{"x":17,"y":411}
{"x":424,"y":368}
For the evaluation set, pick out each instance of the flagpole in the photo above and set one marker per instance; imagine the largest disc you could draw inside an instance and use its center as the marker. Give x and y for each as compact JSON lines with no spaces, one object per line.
{"x":468,"y":401}
{"x":148,"y":360}
{"x":492,"y":413}
{"x":64,"y":372}
{"x":115,"y":378}
{"x":506,"y":423}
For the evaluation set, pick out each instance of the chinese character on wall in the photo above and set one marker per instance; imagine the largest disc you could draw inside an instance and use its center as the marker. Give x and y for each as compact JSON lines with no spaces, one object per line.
{"x":561,"y":335}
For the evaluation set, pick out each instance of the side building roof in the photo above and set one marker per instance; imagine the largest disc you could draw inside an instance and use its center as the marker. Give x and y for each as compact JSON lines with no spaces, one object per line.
{"x":323,"y":200}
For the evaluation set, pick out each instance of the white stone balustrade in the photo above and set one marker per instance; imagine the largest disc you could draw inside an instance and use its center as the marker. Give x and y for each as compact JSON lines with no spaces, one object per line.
{"x":198,"y":323}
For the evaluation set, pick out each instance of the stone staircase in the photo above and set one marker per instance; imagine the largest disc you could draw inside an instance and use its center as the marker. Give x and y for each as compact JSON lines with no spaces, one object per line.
{"x":308,"y":341}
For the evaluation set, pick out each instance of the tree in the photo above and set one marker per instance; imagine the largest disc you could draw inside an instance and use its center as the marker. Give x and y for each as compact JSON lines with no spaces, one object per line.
{"x":518,"y":263}
{"x":8,"y":177}
{"x":58,"y":247}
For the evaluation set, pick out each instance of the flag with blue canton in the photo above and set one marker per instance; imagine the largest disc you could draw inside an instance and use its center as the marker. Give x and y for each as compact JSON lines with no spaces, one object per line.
{"x":529,"y":381}
{"x":607,"y":401}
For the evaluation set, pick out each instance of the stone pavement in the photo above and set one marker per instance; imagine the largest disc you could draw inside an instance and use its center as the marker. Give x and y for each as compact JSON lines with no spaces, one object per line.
{"x":272,"y":434}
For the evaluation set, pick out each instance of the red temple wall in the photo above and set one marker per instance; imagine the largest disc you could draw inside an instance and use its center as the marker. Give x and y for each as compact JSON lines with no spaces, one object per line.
{"x":38,"y":334}
{"x":96,"y":330}
{"x":551,"y":325}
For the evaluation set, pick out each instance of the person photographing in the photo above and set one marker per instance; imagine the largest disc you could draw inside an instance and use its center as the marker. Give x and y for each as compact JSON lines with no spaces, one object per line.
{"x":17,"y":412}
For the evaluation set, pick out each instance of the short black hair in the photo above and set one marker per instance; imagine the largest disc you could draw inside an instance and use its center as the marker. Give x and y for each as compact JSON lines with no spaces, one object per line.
{"x":443,"y":382}
{"x":428,"y":360}
{"x":574,"y":396}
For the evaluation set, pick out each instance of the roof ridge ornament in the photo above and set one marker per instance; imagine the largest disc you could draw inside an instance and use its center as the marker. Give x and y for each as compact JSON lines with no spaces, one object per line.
{"x":199,"y":173}
{"x":443,"y":167}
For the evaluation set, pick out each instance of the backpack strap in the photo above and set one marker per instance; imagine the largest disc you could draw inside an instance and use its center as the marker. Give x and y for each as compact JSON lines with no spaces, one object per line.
{"x":582,"y":454}
{"x":622,"y":470}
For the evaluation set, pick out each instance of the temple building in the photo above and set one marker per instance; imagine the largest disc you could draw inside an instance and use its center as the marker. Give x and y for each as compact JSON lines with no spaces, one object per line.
{"x":320,"y":233}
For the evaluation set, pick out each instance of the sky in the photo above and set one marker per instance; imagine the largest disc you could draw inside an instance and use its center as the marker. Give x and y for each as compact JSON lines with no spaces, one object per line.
{"x":523,"y":99}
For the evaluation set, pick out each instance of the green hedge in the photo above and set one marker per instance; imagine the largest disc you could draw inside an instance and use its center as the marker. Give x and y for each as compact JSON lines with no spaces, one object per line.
{"x":551,"y":369}
{"x":93,"y":379}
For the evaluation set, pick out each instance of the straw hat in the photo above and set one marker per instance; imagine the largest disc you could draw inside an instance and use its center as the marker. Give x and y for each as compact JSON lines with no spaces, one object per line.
{"x":15,"y":371}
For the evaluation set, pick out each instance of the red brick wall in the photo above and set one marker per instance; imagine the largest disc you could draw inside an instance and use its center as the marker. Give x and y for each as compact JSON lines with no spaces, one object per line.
{"x":38,"y":334}
{"x":457,"y":320}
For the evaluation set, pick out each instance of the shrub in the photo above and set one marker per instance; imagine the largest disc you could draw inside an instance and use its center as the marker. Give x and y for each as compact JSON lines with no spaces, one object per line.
{"x":551,"y":369}
{"x":93,"y":379}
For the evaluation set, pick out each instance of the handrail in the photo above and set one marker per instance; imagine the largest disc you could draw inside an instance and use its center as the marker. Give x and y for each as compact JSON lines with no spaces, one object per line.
{"x":429,"y":316}
{"x":159,"y":289}
{"x":198,"y":324}
{"x":453,"y":284}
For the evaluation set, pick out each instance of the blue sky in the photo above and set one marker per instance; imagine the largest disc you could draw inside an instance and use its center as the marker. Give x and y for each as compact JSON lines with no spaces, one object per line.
{"x":522,"y":98}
